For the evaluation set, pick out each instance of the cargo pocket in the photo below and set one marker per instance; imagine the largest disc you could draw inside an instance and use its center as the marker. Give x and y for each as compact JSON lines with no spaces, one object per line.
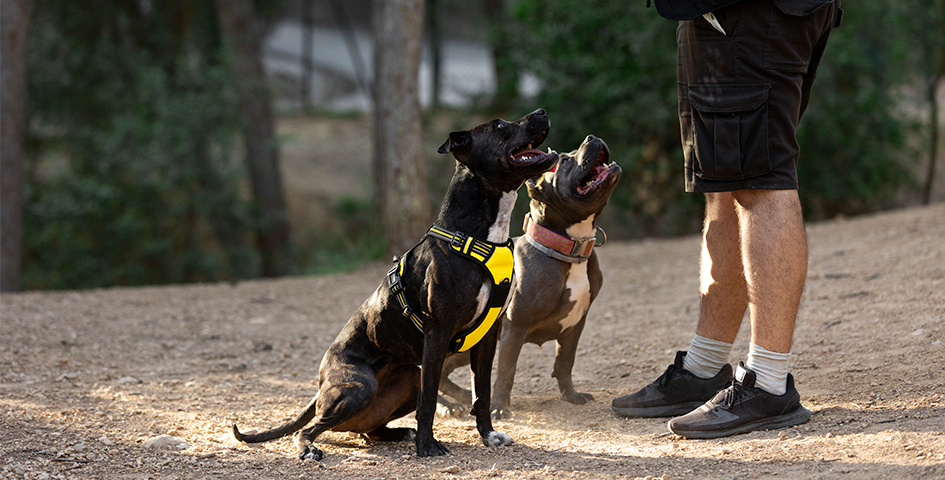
{"x":729,"y":131}
{"x":795,"y":26}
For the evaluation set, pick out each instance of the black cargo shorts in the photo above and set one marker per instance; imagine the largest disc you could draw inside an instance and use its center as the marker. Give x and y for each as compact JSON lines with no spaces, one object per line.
{"x":742,"y":93}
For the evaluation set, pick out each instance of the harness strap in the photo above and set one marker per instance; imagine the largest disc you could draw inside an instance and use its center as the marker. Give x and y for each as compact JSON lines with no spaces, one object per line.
{"x":397,"y":289}
{"x":557,"y":246}
{"x":495,"y":259}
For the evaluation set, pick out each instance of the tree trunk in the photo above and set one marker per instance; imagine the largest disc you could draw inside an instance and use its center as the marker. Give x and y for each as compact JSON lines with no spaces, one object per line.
{"x":400,"y":171}
{"x":933,"y":139}
{"x":938,"y":55}
{"x":506,"y":76}
{"x":436,"y":49}
{"x":238,"y":21}
{"x":14,"y":24}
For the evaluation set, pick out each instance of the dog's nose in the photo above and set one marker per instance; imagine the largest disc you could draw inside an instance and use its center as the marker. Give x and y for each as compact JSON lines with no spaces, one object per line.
{"x":589,"y":139}
{"x":541,"y":111}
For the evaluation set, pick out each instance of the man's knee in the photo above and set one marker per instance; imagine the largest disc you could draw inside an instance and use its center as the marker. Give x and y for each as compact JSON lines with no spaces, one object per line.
{"x":750,"y":199}
{"x":719,"y":205}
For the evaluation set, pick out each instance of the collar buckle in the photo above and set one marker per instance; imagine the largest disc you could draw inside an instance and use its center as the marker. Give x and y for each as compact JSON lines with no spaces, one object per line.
{"x":579,"y":249}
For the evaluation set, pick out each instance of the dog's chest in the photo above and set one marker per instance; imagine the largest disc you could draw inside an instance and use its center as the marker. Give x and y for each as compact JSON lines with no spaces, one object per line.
{"x":578,"y":284}
{"x":579,"y":294}
{"x":498,"y":233}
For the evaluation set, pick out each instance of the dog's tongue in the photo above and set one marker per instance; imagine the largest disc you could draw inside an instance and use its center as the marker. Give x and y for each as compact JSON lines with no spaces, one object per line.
{"x":526,"y":154}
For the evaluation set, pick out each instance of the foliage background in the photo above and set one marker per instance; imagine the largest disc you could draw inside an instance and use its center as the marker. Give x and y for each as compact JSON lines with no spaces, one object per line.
{"x":133,"y":175}
{"x":140,"y":111}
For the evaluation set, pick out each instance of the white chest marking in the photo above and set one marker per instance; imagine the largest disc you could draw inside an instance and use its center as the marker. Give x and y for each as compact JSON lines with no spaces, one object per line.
{"x":499,"y":231}
{"x":577,"y":281}
{"x":580,"y":289}
{"x":583,"y":229}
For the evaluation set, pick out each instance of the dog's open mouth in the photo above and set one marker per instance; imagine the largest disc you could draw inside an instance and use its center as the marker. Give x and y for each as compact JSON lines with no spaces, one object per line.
{"x":596,"y":174}
{"x":529,"y":152}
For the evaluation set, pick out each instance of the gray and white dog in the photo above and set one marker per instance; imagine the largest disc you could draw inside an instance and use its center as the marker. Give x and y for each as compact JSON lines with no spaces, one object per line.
{"x":557,"y":273}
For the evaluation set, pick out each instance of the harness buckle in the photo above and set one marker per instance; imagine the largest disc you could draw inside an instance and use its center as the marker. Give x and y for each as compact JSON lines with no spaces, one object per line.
{"x":458,"y":240}
{"x":393,"y":281}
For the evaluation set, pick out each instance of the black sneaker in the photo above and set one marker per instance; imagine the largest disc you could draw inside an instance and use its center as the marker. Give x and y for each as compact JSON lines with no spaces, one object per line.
{"x":742,"y":407}
{"x":676,"y":392}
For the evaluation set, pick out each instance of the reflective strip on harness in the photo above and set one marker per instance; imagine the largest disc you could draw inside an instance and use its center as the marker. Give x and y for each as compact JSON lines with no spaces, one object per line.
{"x":397,"y":290}
{"x":496,"y":259}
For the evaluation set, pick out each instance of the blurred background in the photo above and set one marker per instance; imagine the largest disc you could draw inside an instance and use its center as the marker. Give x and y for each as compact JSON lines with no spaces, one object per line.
{"x":175,"y":141}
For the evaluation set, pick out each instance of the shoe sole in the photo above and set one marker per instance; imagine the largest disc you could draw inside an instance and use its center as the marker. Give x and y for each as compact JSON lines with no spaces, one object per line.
{"x":661,"y":411}
{"x":796,"y":417}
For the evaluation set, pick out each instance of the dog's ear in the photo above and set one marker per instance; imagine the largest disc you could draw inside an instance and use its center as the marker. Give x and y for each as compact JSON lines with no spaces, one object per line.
{"x":457,"y":141}
{"x":536,"y":186}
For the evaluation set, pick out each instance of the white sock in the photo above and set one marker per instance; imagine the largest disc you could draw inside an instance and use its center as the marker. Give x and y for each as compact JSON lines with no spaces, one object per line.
{"x":706,"y":356}
{"x":771,"y":369}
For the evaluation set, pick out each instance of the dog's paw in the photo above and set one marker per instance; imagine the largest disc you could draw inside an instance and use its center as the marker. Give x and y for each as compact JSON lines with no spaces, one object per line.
{"x":403,"y":434}
{"x":494,"y":439}
{"x":501,"y":413}
{"x":385,"y":434}
{"x":452,"y":410}
{"x":576,"y":398}
{"x":311,"y":452}
{"x":430,"y":448}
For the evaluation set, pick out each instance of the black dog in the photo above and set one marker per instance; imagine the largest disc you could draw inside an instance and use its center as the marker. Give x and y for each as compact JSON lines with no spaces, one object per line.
{"x":557,"y":274}
{"x":444,"y":296}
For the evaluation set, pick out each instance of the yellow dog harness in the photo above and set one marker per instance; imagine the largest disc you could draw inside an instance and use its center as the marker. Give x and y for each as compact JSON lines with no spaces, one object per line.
{"x":496,"y":259}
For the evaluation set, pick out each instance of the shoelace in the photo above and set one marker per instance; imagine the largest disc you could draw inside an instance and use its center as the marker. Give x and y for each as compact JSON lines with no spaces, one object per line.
{"x":664,"y":378}
{"x":733,"y":394}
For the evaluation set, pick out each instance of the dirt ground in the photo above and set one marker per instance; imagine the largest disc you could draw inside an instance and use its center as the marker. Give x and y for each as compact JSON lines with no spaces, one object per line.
{"x":87,"y":377}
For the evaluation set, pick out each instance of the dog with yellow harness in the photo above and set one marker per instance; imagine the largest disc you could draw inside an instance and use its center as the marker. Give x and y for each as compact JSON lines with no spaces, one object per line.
{"x":443,"y":296}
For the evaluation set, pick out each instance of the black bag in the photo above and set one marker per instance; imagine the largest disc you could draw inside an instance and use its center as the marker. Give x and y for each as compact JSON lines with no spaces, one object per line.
{"x":688,"y":9}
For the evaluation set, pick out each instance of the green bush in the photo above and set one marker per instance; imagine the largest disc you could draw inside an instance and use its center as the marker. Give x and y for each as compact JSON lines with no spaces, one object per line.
{"x":855,"y":157}
{"x":130,"y":177}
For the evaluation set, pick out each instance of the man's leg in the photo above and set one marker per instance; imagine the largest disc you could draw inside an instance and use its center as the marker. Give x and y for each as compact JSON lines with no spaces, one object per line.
{"x":756,"y":235}
{"x":774,"y":253}
{"x":723,"y":290}
{"x":695,"y":376}
{"x":774,"y":257}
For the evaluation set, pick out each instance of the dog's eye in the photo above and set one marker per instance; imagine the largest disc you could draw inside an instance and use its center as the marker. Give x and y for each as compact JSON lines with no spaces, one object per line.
{"x":499,"y":124}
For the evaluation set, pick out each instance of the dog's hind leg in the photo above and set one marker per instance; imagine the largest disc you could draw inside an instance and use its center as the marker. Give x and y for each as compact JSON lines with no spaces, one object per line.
{"x":353,"y":399}
{"x":397,"y":391}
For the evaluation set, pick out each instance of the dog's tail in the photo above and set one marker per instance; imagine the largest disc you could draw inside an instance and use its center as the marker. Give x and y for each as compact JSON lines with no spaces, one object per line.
{"x":289,"y":428}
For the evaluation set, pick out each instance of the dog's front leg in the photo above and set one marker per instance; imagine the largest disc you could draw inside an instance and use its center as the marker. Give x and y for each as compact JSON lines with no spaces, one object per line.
{"x":564,"y":363}
{"x":513,"y":338}
{"x":480,"y":361}
{"x":435,"y":347}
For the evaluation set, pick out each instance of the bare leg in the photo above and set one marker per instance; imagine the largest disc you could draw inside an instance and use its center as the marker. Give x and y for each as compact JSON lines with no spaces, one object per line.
{"x":754,"y":254}
{"x":723,"y":290}
{"x":774,"y":253}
